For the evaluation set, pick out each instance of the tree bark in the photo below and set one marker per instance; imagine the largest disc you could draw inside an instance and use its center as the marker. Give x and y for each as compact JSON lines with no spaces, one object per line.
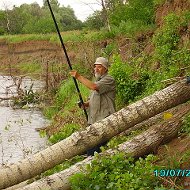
{"x":140,"y":145}
{"x":95,"y":134}
{"x":105,"y":15}
{"x":153,"y":120}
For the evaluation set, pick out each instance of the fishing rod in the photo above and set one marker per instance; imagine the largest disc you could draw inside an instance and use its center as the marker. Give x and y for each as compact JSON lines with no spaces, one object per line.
{"x":67,"y":57}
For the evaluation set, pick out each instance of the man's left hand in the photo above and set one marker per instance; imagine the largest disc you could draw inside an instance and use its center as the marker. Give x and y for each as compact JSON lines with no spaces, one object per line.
{"x":74,"y":74}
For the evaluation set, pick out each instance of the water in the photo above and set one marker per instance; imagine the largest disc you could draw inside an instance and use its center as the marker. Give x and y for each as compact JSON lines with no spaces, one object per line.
{"x":18,"y":137}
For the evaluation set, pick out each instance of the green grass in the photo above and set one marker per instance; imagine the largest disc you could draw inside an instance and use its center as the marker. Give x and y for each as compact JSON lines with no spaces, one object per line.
{"x":66,"y":99}
{"x":73,"y":36}
{"x":26,"y":37}
{"x":32,"y":67}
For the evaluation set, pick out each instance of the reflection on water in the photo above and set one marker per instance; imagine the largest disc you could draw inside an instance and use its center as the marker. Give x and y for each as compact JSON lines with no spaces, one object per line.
{"x":18,"y":137}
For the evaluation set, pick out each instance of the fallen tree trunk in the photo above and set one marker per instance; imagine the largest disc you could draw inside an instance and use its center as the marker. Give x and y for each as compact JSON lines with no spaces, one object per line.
{"x":95,"y":134}
{"x":140,"y":145}
{"x":153,"y":120}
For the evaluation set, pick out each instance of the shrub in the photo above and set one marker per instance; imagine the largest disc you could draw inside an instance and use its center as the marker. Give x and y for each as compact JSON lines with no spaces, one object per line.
{"x":117,"y":173}
{"x":167,"y":41}
{"x":130,"y":28}
{"x":129,"y":83}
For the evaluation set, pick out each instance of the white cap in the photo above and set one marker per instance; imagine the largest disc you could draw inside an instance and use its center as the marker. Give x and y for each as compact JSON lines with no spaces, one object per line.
{"x":102,"y":61}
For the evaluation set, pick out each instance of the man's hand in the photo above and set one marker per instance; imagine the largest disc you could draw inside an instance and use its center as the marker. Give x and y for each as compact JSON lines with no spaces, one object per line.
{"x":83,"y":80}
{"x":86,"y":104}
{"x":74,"y":74}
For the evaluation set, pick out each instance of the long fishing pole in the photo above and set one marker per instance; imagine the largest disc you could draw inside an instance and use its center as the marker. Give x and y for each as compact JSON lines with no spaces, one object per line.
{"x":67,"y":57}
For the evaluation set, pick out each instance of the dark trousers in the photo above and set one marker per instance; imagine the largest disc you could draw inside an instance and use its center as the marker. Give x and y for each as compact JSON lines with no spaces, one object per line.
{"x":91,"y":151}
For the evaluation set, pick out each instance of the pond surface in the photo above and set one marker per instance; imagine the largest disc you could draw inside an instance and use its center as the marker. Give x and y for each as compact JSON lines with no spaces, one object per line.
{"x":18,"y":137}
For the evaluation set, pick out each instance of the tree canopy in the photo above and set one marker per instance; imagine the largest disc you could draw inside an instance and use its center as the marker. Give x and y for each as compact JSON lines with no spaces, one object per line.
{"x":117,"y":12}
{"x":31,"y":18}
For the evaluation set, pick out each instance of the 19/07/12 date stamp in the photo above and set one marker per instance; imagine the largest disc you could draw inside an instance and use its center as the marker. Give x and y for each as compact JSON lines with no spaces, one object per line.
{"x":172,"y":173}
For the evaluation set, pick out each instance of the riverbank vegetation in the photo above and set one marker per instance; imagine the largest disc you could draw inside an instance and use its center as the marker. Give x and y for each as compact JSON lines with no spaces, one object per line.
{"x":159,"y":55}
{"x":133,"y":83}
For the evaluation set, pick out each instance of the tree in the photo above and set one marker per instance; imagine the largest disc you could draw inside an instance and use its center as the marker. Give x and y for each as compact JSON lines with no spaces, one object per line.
{"x":5,"y":19}
{"x":145,"y":143}
{"x":39,"y":21}
{"x":54,"y":4}
{"x":94,"y":21}
{"x":35,"y":10}
{"x":43,"y":26}
{"x":105,"y":15}
{"x":19,"y":16}
{"x":68,"y":20}
{"x":65,"y":16}
{"x":102,"y":16}
{"x":95,"y":134}
{"x":2,"y":22}
{"x":115,"y":12}
{"x":31,"y":18}
{"x":133,"y":10}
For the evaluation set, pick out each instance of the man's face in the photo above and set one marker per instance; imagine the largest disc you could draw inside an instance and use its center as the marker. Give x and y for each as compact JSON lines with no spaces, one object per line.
{"x":99,"y":70}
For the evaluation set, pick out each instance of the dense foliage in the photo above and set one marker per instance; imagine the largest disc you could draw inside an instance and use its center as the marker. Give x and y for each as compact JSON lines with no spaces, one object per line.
{"x":123,"y":16}
{"x":135,"y":10}
{"x":171,"y":55}
{"x":130,"y":81}
{"x":117,"y":172}
{"x":170,"y":49}
{"x":31,"y":18}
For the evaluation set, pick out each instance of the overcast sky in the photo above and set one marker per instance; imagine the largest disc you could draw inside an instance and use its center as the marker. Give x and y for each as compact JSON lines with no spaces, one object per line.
{"x":82,"y":11}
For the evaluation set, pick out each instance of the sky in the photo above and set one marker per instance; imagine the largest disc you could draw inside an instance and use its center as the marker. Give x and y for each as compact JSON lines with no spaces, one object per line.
{"x":82,"y":10}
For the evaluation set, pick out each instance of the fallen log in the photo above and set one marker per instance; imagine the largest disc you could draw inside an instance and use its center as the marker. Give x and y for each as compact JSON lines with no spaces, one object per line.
{"x":95,"y":134}
{"x":145,"y":124}
{"x":153,"y":120}
{"x":145,"y":143}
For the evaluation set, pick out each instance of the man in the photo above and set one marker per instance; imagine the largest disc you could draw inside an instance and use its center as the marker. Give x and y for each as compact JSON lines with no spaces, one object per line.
{"x":102,"y":99}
